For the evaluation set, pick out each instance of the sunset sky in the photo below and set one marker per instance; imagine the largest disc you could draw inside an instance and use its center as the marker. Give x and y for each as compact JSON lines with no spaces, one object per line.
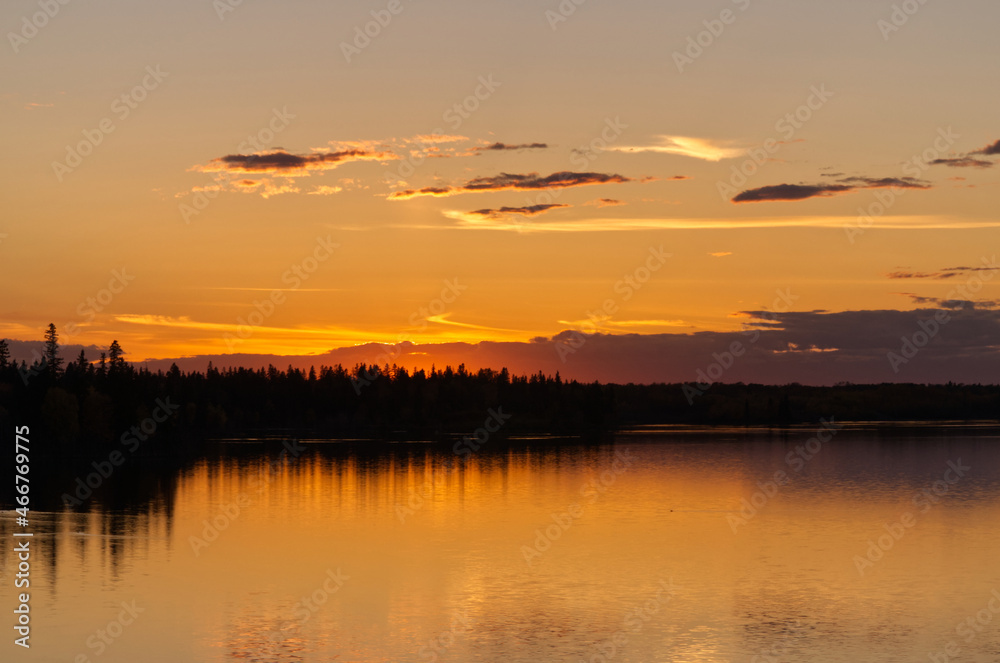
{"x":506,"y":172}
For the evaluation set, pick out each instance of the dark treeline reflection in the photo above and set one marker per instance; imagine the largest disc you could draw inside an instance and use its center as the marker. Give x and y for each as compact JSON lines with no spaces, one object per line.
{"x":134,"y":507}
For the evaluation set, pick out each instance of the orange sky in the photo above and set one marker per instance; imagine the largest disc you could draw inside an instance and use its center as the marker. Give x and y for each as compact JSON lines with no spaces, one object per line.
{"x":486,"y":172}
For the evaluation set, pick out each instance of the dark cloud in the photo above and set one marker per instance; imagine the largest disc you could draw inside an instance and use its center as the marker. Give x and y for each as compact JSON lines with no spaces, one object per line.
{"x":531,"y":210}
{"x":982,"y":304}
{"x":426,"y":191}
{"x":560,"y":180}
{"x":605,"y":202}
{"x":779,"y":348}
{"x":962,"y":162}
{"x":779,"y":192}
{"x":790,"y":192}
{"x":885,"y":182}
{"x":500,"y":147}
{"x":508,"y":181}
{"x":968,"y":161}
{"x":31,"y":352}
{"x":280,"y":161}
{"x":990,"y":150}
{"x":947,"y":272}
{"x":944,"y":274}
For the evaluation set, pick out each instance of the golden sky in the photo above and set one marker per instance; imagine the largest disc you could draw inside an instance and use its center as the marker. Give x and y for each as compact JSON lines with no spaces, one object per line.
{"x":179,"y":173}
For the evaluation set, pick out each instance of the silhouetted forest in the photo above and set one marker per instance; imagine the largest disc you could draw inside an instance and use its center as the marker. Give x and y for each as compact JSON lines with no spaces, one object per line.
{"x":81,"y":404}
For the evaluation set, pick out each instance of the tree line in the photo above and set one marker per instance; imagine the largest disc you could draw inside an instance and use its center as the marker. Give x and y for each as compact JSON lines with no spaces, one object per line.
{"x":88,"y":402}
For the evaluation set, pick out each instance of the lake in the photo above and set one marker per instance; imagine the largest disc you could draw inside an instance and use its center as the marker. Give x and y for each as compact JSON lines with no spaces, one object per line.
{"x":676,"y":544}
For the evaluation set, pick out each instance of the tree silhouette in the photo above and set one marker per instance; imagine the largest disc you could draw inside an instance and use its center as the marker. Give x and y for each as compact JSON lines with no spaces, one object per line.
{"x":4,"y":354}
{"x":116,"y":358}
{"x":52,"y":359}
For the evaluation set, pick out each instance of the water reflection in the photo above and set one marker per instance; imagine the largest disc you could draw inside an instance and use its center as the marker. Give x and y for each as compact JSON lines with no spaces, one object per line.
{"x":409,"y":552}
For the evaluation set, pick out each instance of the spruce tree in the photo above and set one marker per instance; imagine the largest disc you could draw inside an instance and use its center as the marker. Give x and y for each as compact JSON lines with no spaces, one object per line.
{"x":52,"y":359}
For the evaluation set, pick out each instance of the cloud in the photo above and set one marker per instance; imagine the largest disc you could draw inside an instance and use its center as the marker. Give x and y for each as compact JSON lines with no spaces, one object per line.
{"x":721,"y":254}
{"x":982,"y":304}
{"x":810,"y":347}
{"x":790,"y":192}
{"x":619,"y":224}
{"x":990,"y":150}
{"x":560,"y":180}
{"x":504,"y":218}
{"x":509,"y":181}
{"x":282,"y":162}
{"x":592,"y":324}
{"x":968,"y":161}
{"x":435,"y":138}
{"x":501,"y":147}
{"x":786,"y":192}
{"x":922,"y":275}
{"x":605,"y":202}
{"x":697,"y":148}
{"x":531,"y":210}
{"x":324,"y":190}
{"x":947,"y":272}
{"x":962,"y":162}
{"x":426,"y":191}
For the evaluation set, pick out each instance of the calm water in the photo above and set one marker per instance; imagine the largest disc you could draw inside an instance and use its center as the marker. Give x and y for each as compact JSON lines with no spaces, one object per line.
{"x":639,"y":551}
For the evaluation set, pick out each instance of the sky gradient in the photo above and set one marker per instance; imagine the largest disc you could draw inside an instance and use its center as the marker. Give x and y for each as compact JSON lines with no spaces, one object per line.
{"x":200,"y":179}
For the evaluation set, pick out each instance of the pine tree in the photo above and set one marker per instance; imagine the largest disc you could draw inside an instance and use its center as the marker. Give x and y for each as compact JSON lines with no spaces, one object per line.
{"x":4,"y":354}
{"x":116,"y":360}
{"x":52,"y":359}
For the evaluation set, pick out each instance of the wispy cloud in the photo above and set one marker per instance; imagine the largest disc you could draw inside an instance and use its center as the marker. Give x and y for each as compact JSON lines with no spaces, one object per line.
{"x":609,"y":323}
{"x":282,"y":162}
{"x":968,"y":160}
{"x":503,"y":147}
{"x":509,"y":181}
{"x":697,"y":148}
{"x":992,"y":149}
{"x":530,"y":210}
{"x":921,"y":275}
{"x":640,"y":224}
{"x":946,"y":273}
{"x":787,"y":192}
{"x":184,"y":322}
{"x":325,"y":190}
{"x":966,"y":304}
{"x":436,"y":138}
{"x":605,"y":202}
{"x":962,"y":162}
